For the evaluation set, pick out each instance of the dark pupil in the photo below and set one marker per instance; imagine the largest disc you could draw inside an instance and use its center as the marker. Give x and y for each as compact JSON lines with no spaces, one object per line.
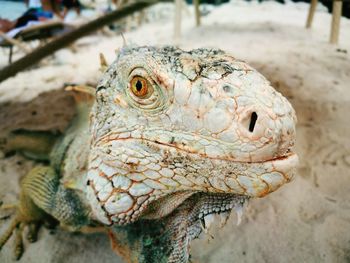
{"x":138,"y":85}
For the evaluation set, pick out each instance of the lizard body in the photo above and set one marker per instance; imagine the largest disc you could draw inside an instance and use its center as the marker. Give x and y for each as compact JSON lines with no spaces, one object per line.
{"x":172,"y":138}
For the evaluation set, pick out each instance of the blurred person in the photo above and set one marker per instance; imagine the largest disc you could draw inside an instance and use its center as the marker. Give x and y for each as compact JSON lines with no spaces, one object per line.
{"x":6,"y":25}
{"x":33,"y":4}
{"x":38,"y":10}
{"x":71,"y":4}
{"x":43,"y":8}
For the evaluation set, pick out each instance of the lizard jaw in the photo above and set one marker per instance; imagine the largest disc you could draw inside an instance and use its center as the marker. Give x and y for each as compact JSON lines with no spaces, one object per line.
{"x":134,"y":184}
{"x":166,"y":205}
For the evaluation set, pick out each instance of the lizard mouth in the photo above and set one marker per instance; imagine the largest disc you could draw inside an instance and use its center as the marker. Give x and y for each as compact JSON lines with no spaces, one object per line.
{"x":204,"y":146}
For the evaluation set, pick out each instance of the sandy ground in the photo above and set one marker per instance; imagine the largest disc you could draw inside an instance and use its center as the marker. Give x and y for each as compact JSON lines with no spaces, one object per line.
{"x":308,"y":220}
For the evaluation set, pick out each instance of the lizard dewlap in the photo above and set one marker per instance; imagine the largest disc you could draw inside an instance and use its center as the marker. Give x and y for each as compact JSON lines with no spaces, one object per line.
{"x":171,"y":139}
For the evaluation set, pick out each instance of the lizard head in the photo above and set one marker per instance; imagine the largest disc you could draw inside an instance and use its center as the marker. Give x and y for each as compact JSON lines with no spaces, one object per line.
{"x":170,"y":125}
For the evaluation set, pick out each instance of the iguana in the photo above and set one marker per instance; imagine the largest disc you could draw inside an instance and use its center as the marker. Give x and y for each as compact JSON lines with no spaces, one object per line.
{"x":169,"y":139}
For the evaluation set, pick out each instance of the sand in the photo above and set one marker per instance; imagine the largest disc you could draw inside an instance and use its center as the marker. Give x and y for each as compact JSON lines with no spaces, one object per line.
{"x":307,"y":220}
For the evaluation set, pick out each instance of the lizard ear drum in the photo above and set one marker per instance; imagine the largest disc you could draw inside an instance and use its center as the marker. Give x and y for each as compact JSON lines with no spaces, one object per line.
{"x":139,"y":87}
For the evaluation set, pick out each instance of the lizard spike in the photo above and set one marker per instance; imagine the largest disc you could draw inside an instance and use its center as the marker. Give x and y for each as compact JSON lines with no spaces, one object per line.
{"x":82,"y":89}
{"x":239,"y":212}
{"x":103,"y":63}
{"x":203,"y":225}
{"x":209,"y":220}
{"x":205,"y":228}
{"x":224,"y":216}
{"x":82,"y":93}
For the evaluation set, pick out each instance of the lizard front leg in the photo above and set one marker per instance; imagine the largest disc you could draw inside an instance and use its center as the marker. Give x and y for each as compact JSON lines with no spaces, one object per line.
{"x":35,"y":145}
{"x":44,"y":199}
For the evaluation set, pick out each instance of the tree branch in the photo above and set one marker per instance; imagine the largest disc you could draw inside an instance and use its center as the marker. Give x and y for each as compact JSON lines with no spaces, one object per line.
{"x":68,"y":38}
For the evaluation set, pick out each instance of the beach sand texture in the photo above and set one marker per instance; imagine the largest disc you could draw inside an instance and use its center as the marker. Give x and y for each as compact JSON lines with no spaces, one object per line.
{"x":307,"y":220}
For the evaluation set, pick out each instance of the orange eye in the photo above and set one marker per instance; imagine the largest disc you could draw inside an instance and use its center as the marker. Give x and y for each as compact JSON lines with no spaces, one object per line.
{"x":139,"y":86}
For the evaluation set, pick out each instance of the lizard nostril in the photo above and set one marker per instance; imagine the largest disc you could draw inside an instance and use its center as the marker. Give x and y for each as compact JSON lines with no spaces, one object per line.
{"x":252,"y":123}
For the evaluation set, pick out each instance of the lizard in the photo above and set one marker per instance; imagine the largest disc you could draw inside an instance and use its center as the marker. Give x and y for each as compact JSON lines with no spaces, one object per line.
{"x":166,"y":141}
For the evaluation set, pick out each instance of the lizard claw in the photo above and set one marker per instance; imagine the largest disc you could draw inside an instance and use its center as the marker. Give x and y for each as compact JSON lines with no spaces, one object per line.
{"x":3,"y":143}
{"x":8,"y":233}
{"x":33,"y":230}
{"x":19,"y":249}
{"x":16,"y":227}
{"x":5,"y":216}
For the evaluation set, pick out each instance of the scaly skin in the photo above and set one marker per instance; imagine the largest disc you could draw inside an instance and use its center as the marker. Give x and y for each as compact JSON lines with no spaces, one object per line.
{"x":173,"y":137}
{"x":192,"y":134}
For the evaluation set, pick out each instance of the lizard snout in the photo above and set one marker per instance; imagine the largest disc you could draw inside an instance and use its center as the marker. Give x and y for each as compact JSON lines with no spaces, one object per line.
{"x":273,"y":133}
{"x":255,"y":124}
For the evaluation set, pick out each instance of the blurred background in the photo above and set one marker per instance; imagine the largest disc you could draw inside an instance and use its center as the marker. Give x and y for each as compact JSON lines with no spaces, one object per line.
{"x":303,"y":50}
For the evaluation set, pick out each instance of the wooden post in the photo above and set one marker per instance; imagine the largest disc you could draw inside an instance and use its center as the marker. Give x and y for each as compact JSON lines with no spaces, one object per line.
{"x":185,"y":8}
{"x":10,"y":55}
{"x":177,"y":26}
{"x":337,"y":8}
{"x":197,"y":12}
{"x":129,"y":22}
{"x":141,"y":17}
{"x":312,"y":10}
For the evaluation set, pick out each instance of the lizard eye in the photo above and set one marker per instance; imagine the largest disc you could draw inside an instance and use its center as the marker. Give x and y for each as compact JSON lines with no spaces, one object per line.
{"x":143,"y":92}
{"x":140,"y":87}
